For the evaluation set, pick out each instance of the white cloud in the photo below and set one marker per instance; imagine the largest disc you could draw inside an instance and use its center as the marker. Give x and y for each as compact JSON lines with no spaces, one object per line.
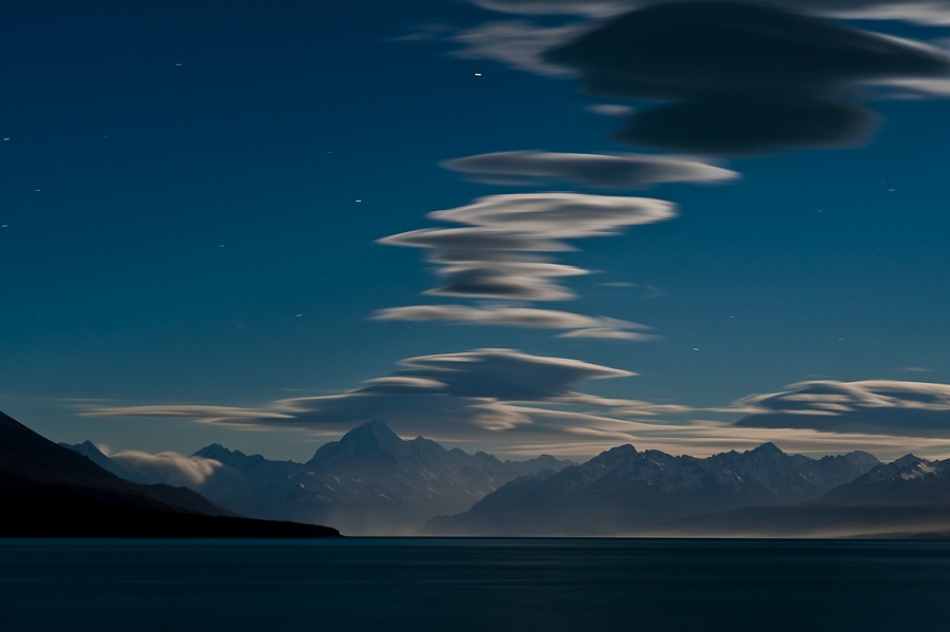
{"x":496,"y":256}
{"x":504,"y":278}
{"x":599,"y":170}
{"x":503,"y":316}
{"x":169,"y":468}
{"x":559,"y":215}
{"x":209,"y":414}
{"x":474,"y":239}
{"x":519,"y":404}
{"x":515,"y":43}
{"x":499,"y":395}
{"x":606,"y":333}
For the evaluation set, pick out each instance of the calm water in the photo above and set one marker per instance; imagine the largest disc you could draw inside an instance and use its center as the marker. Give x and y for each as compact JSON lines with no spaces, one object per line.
{"x":472,"y":584}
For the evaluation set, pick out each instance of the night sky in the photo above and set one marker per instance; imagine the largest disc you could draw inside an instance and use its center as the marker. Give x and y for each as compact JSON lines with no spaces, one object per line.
{"x":526,"y":226}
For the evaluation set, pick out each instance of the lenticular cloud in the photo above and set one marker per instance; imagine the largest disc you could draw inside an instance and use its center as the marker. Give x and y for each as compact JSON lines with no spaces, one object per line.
{"x":498,"y":254}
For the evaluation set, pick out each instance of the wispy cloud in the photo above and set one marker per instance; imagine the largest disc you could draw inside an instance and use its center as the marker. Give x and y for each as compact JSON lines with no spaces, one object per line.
{"x":484,"y":394}
{"x":610,"y":109}
{"x":501,"y":315}
{"x":205,"y":413}
{"x":631,"y":171}
{"x":525,"y":404}
{"x":934,"y":12}
{"x":609,"y":333}
{"x":516,"y":43}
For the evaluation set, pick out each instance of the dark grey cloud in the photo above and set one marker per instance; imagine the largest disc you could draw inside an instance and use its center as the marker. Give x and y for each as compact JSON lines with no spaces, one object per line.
{"x":885,"y":407}
{"x":596,"y":170}
{"x":766,"y":77}
{"x":749,"y":125}
{"x":919,"y":11}
{"x":679,"y":50}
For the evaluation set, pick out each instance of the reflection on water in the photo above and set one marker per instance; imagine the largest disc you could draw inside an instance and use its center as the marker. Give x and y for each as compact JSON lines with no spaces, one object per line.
{"x":473,"y":584}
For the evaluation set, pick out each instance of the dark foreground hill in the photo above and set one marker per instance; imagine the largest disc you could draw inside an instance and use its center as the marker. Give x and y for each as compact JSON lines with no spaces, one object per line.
{"x":49,"y":491}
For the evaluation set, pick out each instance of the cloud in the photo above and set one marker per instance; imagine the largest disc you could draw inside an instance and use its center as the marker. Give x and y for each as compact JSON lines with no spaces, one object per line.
{"x":502,"y":278}
{"x":725,"y":47}
{"x":169,"y":468}
{"x":495,"y":257}
{"x":736,"y":78}
{"x":502,"y":316}
{"x":471,"y":240}
{"x":558,"y":215}
{"x":717,"y":125}
{"x":610,"y":109}
{"x":525,"y":404}
{"x":597,"y":170}
{"x":934,"y":12}
{"x":210,"y":414}
{"x":607,"y":333}
{"x":483,"y":394}
{"x":507,"y":373}
{"x":516,"y":43}
{"x":885,"y":407}
{"x":591,"y":8}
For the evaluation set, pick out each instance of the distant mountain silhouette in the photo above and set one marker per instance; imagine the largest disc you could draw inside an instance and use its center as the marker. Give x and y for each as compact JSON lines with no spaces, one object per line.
{"x":908,"y":496}
{"x":910,"y":480}
{"x":50,"y":491}
{"x":624,"y":491}
{"x":369,"y":482}
{"x":373,"y":482}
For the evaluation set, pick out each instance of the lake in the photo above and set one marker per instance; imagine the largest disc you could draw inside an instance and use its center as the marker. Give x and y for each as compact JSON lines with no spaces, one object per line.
{"x":473,"y":584}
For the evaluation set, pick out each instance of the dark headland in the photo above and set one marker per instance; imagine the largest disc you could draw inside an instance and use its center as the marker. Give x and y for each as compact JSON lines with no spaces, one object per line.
{"x":49,"y":491}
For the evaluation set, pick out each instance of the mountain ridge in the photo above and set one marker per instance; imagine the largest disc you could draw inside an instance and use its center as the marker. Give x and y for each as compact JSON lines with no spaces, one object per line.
{"x":626,"y":491}
{"x":370,"y":477}
{"x":51,"y":491}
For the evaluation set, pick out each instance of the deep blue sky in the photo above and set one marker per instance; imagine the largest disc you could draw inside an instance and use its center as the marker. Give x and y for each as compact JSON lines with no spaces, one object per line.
{"x":190,"y":195}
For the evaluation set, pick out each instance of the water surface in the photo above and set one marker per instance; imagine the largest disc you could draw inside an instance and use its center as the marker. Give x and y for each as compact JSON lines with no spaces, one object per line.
{"x":473,"y":584}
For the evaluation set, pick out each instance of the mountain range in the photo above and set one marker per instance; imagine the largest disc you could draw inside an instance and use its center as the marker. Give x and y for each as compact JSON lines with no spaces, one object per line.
{"x":49,"y":491}
{"x":909,"y":497}
{"x":371,"y":482}
{"x":625,"y":491}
